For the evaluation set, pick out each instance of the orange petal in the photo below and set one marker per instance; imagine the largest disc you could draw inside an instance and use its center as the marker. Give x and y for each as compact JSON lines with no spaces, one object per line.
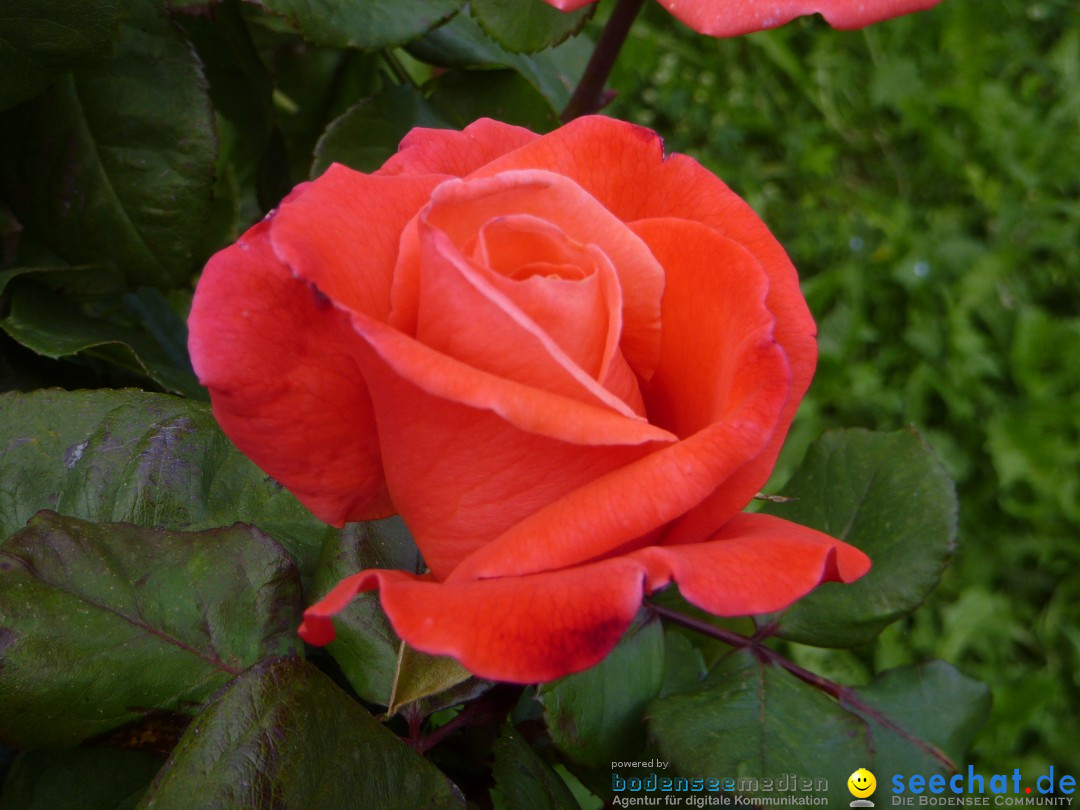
{"x":463,"y":315}
{"x":281,"y":366}
{"x":461,"y":208}
{"x":729,"y":18}
{"x":522,"y":629}
{"x":569,"y":290}
{"x":444,"y":151}
{"x":711,"y":281}
{"x":722,"y":383}
{"x":469,"y":454}
{"x":342,"y":233}
{"x":623,"y":166}
{"x":625,"y":507}
{"x":754,"y":564}
{"x":543,"y":626}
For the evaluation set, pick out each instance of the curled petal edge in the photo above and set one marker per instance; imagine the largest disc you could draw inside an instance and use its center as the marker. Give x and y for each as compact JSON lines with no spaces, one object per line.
{"x":542,"y":626}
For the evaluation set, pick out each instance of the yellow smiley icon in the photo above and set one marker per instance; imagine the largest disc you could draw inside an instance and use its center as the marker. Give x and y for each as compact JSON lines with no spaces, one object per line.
{"x":861,"y":783}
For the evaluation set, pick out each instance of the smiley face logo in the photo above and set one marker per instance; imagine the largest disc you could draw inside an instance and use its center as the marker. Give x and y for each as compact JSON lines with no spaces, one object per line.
{"x":861,"y":783}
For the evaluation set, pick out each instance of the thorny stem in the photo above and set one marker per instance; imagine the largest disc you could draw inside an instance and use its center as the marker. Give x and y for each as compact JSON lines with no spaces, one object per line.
{"x":590,"y":95}
{"x":844,"y":695}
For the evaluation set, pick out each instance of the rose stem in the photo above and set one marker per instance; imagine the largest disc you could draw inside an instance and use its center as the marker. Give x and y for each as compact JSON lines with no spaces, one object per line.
{"x":843,"y":694}
{"x":589,"y":95}
{"x":493,"y":706}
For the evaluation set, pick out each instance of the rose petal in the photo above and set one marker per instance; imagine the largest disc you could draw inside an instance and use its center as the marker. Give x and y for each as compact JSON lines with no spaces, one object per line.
{"x":721,"y":375}
{"x":629,"y":175}
{"x":444,"y":151}
{"x":461,"y":208}
{"x":464,"y":316}
{"x":732,"y":18}
{"x":280,"y":363}
{"x":342,"y":233}
{"x":468,"y":454}
{"x":569,"y":290}
{"x":569,"y":5}
{"x":754,"y":564}
{"x":522,"y":629}
{"x":623,"y":166}
{"x":708,"y":277}
{"x":543,"y":626}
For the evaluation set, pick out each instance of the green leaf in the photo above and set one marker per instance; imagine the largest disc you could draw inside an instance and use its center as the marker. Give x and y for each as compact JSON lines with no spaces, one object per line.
{"x":43,"y":38}
{"x":79,"y":779}
{"x":753,"y":720}
{"x":147,"y":459}
{"x":526,"y":26}
{"x":366,"y":647}
{"x":462,"y":96}
{"x":116,"y":163}
{"x":368,"y":133}
{"x":684,"y":664}
{"x":922,"y":718}
{"x":252,"y":174}
{"x":370,"y":24}
{"x":103,"y":623}
{"x":595,"y":716}
{"x":284,"y":735}
{"x":461,"y":43}
{"x":523,"y":781}
{"x":419,"y":676}
{"x":52,"y":326}
{"x":887,"y":494}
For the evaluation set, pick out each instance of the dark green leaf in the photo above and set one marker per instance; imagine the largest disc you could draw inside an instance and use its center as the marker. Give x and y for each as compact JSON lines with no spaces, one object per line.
{"x":369,"y":132}
{"x":753,"y":720}
{"x":887,"y":494}
{"x":462,"y":96}
{"x":115,"y":164}
{"x":251,"y":167}
{"x":684,"y":665}
{"x":79,"y":779}
{"x":52,"y":326}
{"x":922,"y":718}
{"x":366,"y":647}
{"x":369,"y":24}
{"x":148,"y":459}
{"x":240,"y":85}
{"x":523,"y":781}
{"x":152,"y":310}
{"x":102,"y":623}
{"x":70,"y":280}
{"x":595,"y":716}
{"x":526,"y":26}
{"x":283,"y":735}
{"x":40,"y":39}
{"x":462,"y":44}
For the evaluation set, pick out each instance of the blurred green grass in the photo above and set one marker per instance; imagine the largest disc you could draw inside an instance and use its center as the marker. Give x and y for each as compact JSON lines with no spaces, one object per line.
{"x":924,"y":176}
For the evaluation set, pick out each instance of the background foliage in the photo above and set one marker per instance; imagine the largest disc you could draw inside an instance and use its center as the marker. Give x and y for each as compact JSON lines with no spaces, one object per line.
{"x":924,"y":175}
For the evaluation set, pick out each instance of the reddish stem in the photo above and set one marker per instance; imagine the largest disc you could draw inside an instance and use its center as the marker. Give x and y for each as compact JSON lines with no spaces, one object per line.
{"x":844,"y":695}
{"x":590,"y":96}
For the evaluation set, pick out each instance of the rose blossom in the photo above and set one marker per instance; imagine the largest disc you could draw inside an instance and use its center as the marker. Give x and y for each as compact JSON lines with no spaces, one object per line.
{"x":730,"y":18}
{"x":568,"y":361}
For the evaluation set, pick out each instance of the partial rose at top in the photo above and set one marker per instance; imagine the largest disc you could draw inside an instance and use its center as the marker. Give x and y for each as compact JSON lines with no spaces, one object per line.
{"x":731,"y":18}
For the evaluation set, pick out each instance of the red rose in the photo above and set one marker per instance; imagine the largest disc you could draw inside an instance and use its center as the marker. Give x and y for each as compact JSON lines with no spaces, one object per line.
{"x":567,"y":361}
{"x":730,"y":18}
